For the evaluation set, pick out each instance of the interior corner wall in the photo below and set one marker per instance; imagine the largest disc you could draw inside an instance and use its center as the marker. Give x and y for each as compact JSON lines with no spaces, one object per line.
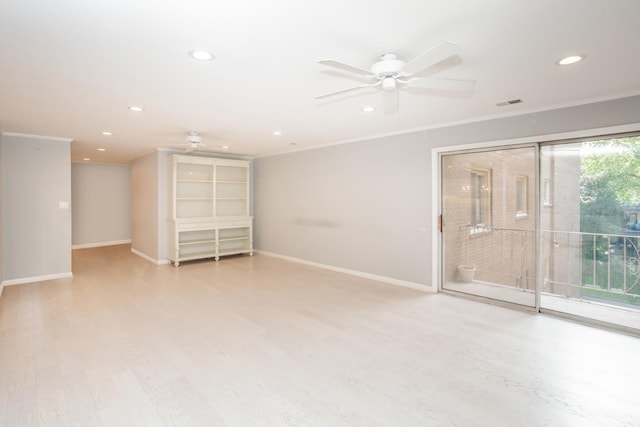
{"x":101,"y":211}
{"x":367,"y":206}
{"x":36,"y":214}
{"x":163,"y":203}
{"x":144,"y":206}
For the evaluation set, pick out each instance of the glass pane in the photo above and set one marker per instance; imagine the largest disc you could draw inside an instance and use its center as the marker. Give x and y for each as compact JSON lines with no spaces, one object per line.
{"x":590,"y":232}
{"x":489,"y":224}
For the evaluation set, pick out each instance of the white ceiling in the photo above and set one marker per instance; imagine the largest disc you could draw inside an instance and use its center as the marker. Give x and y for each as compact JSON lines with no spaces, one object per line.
{"x":70,"y":68}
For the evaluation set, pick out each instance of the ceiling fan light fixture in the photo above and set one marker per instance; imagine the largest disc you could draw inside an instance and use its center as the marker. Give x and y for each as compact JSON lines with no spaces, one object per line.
{"x":572,"y":59}
{"x":136,"y":108}
{"x":388,"y":83}
{"x":201,"y":55}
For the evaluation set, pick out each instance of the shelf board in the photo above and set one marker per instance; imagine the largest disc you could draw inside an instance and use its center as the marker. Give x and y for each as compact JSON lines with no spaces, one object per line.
{"x":197,"y":242}
{"x":222,"y":181}
{"x":194,"y":198}
{"x":231,"y":239}
{"x":197,"y":255}
{"x":236,"y":251}
{"x":231,"y":198}
{"x":195,"y":180}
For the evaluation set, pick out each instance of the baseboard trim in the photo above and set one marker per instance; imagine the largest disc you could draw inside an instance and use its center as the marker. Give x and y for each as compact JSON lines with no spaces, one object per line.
{"x":148,"y":258}
{"x":33,"y":279}
{"x":101,"y":244}
{"x":377,"y":278}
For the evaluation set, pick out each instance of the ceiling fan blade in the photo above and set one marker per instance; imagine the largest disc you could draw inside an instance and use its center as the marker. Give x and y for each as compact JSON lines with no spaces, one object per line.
{"x":346,"y":67}
{"x":440,"y":83}
{"x":390,"y":101}
{"x":347,"y":90}
{"x":431,"y":57}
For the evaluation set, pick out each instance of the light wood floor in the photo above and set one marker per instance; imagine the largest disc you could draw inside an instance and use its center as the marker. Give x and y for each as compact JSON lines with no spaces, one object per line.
{"x":265,"y":342}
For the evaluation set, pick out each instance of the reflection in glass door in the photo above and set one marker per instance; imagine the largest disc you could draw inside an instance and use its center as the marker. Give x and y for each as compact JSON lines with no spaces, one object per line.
{"x":489,"y":224}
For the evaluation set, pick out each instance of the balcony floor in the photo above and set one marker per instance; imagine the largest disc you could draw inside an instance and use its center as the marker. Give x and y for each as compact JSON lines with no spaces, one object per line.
{"x":589,"y":310}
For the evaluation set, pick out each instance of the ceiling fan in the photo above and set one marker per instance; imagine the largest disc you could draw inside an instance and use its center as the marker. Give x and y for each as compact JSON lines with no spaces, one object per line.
{"x":391,"y":74}
{"x":192,"y":143}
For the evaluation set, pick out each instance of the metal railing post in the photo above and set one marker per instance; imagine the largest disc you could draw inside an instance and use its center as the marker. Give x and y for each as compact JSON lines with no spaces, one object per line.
{"x":608,"y":263}
{"x":624,"y":265}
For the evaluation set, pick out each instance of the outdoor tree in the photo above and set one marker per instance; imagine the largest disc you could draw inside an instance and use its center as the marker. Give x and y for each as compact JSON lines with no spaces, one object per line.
{"x":609,"y":184}
{"x":610,"y":181}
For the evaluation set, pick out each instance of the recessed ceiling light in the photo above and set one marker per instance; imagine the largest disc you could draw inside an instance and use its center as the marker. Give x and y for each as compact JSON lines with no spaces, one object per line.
{"x":107,"y":133}
{"x":571,"y":59}
{"x":368,"y":109}
{"x":86,"y":159}
{"x":224,"y":147}
{"x":136,"y":108}
{"x":102,"y":149}
{"x":201,"y":55}
{"x":277,"y":133}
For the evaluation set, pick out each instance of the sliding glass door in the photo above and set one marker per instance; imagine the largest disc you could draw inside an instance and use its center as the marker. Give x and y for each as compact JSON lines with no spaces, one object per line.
{"x":590,"y":234}
{"x":489,"y":221}
{"x":554,"y":226}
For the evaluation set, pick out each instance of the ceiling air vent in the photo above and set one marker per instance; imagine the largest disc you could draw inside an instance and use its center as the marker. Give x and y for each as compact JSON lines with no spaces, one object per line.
{"x":513,"y":101}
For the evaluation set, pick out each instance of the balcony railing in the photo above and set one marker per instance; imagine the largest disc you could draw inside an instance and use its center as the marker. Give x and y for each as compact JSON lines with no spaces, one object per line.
{"x":590,"y":266}
{"x":599,"y":266}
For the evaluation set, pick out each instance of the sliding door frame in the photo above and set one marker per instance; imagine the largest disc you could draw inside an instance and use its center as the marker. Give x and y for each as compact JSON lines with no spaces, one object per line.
{"x":442,"y":220}
{"x":437,"y":153}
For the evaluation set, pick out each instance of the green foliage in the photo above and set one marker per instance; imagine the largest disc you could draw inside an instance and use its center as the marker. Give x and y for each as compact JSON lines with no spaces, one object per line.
{"x":617,"y":160}
{"x":600,"y":208}
{"x":609,"y":182}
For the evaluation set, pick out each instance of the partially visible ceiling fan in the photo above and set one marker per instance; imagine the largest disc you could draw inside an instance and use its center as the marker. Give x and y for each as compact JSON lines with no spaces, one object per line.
{"x":392,"y":74}
{"x":192,"y":143}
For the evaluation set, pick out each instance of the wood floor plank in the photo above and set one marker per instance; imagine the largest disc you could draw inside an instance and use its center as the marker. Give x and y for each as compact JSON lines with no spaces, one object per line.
{"x":261,"y":341}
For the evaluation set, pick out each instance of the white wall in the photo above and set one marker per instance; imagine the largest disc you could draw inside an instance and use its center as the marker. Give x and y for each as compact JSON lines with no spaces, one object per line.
{"x":1,"y":216}
{"x":101,"y":212}
{"x":36,"y":178}
{"x":163,"y":203}
{"x":144,"y":206}
{"x":367,"y":206}
{"x":353,"y":206}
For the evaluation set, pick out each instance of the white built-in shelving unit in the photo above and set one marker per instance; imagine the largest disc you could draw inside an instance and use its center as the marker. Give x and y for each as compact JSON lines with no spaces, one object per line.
{"x":209,"y":206}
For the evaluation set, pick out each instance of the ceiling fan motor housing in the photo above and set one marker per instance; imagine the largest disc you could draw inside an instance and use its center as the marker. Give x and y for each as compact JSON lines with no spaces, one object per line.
{"x":194,"y":138}
{"x":388,"y":66}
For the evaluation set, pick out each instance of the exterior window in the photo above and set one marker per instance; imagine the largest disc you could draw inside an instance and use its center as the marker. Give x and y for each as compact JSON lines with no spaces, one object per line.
{"x":522,"y":196}
{"x":480,"y":191}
